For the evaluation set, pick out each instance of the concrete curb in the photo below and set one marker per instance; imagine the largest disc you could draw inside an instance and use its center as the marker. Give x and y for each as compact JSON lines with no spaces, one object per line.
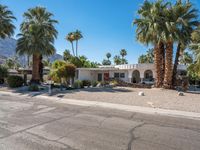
{"x":138,"y":109}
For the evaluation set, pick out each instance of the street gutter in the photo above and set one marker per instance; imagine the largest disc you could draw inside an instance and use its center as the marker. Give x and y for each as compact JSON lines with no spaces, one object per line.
{"x":129,"y":108}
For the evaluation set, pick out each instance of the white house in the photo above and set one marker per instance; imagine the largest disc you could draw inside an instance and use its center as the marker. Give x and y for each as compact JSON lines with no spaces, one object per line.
{"x":132,"y":73}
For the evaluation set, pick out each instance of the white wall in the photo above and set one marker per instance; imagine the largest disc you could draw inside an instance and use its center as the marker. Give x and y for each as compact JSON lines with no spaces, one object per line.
{"x":85,"y":75}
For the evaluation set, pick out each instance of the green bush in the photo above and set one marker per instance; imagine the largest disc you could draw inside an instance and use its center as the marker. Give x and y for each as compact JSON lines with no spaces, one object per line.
{"x":94,"y":83}
{"x":3,"y":73}
{"x":86,"y":83}
{"x":78,"y":84}
{"x":33,"y":87}
{"x":15,"y":81}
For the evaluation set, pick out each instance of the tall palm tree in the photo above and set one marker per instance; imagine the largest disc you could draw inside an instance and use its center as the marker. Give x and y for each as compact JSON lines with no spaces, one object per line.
{"x":185,"y":17}
{"x":37,"y":37}
{"x":123,"y":53}
{"x":70,"y":37}
{"x":108,"y":55}
{"x":6,"y":22}
{"x":149,"y":30}
{"x":77,"y":36}
{"x":117,"y":60}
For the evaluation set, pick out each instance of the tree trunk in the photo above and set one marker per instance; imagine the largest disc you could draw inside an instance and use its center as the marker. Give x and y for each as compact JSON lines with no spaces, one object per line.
{"x":176,"y":64}
{"x":162,"y":55}
{"x":168,"y":65}
{"x":76,"y":48}
{"x":35,"y":69}
{"x":28,"y":61}
{"x":73,"y":48}
{"x":158,"y":66}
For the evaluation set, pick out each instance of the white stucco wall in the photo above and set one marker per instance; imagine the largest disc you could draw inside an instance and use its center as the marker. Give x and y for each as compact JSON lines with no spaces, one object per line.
{"x":85,"y":75}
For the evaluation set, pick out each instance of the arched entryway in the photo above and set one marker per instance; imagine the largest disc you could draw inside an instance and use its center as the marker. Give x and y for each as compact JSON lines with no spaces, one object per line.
{"x":148,"y":75}
{"x":136,"y":76}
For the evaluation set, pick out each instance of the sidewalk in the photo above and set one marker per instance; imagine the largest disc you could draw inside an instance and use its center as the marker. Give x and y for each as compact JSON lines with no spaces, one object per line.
{"x":139,"y":109}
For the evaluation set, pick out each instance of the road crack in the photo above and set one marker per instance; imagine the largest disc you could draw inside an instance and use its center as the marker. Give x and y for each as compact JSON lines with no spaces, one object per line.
{"x":132,"y":136}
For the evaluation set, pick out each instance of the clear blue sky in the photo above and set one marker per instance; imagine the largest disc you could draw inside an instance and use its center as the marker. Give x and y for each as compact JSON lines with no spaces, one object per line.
{"x":106,"y":24}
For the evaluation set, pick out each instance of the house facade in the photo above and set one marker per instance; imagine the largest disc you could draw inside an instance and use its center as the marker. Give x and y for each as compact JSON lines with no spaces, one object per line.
{"x":131,"y":73}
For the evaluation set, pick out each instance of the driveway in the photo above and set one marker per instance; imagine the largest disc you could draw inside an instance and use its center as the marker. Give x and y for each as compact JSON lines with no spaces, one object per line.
{"x":28,"y":123}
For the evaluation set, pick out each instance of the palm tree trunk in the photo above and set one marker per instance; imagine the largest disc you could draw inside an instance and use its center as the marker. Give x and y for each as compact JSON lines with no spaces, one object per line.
{"x":168,"y":65}
{"x":176,"y":64}
{"x":162,"y":55}
{"x":157,"y":62}
{"x":73,"y":48}
{"x":35,"y":69}
{"x":76,"y":48}
{"x":28,"y":61}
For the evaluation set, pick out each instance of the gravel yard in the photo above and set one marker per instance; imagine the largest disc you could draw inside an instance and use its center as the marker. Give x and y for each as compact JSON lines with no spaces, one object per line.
{"x":157,"y":98}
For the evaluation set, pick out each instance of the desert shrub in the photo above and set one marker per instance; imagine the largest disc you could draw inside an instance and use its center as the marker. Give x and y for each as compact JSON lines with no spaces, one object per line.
{"x":62,"y":70}
{"x":3,"y":73}
{"x":15,"y":81}
{"x":33,"y":87}
{"x":86,"y":83}
{"x":78,"y":84}
{"x":94,"y":83}
{"x":114,"y":83}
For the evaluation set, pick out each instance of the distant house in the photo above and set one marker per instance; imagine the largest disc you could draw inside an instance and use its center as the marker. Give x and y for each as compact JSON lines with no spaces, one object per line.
{"x":131,"y":73}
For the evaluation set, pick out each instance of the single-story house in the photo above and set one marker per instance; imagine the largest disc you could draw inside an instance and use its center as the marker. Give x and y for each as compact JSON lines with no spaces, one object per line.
{"x":131,"y":73}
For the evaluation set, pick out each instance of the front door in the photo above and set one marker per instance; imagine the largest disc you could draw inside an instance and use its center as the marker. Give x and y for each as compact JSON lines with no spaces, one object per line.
{"x":99,"y":78}
{"x":106,"y":76}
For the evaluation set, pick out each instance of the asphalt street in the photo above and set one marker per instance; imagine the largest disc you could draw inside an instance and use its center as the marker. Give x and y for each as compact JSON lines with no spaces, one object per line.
{"x":28,"y":123}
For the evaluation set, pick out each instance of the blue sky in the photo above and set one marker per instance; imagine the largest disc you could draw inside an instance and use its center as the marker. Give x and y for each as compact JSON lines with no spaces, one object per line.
{"x":106,"y":24}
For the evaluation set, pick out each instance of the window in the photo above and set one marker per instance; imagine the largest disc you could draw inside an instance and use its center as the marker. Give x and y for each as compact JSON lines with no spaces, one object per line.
{"x":122,"y":75}
{"x":119,"y":75}
{"x":116,"y":75}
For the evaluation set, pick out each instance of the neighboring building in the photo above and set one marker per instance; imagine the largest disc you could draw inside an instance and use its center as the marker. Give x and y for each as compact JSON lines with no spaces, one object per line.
{"x":132,"y":73}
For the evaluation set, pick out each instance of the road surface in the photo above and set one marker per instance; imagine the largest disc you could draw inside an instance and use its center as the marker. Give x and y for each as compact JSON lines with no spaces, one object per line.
{"x":28,"y":123}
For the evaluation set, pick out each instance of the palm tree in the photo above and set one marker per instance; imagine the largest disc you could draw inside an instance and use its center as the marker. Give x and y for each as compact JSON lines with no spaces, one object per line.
{"x":67,"y":55}
{"x":70,"y":37}
{"x":123,"y":53}
{"x":6,"y":22}
{"x":142,"y":59}
{"x":77,"y":36}
{"x":148,"y":58}
{"x":37,"y":37}
{"x":195,"y":45}
{"x":108,"y":55}
{"x":117,"y":60}
{"x":185,"y":17}
{"x":149,"y":30}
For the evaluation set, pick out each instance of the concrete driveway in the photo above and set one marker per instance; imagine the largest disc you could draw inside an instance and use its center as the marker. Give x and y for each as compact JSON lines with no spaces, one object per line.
{"x":28,"y":123}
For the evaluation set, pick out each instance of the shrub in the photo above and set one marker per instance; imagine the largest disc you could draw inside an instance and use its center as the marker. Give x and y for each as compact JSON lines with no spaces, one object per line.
{"x":114,"y":83}
{"x":62,"y":70}
{"x":94,"y":83}
{"x":86,"y":83}
{"x":33,"y":87}
{"x":3,"y":73}
{"x":78,"y":84}
{"x":15,"y":81}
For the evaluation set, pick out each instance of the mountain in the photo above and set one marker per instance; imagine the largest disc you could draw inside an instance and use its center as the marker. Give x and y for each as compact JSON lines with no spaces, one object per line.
{"x":8,"y":47}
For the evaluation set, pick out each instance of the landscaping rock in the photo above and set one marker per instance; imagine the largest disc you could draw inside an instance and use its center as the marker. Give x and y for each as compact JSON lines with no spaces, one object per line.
{"x":99,"y":85}
{"x":141,"y":93}
{"x":180,"y":94}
